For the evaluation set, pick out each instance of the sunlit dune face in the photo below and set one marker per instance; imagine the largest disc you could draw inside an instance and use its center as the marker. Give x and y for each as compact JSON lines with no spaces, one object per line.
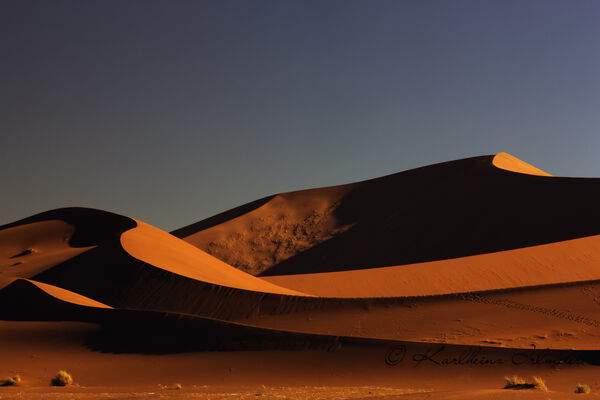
{"x":547,"y":264}
{"x":66,"y":295}
{"x":510,"y":163}
{"x":29,"y":249}
{"x":162,"y":250}
{"x":285,"y":226}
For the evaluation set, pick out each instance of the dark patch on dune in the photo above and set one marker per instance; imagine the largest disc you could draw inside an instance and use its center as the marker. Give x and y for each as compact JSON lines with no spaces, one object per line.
{"x":24,"y":253}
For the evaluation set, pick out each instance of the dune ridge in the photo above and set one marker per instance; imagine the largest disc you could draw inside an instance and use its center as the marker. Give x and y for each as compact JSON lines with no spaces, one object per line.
{"x":449,"y":210}
{"x":158,"y":248}
{"x":66,"y":295}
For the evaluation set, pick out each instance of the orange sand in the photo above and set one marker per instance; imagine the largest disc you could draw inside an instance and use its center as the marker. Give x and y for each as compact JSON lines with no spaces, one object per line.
{"x":469,"y":255}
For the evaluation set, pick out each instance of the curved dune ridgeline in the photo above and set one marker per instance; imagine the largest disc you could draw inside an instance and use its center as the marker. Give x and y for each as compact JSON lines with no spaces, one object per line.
{"x":487,"y":250}
{"x":158,"y":248}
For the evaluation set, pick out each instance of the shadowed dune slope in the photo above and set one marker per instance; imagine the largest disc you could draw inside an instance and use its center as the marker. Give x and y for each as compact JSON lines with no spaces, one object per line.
{"x":141,"y":331}
{"x":454,"y":209}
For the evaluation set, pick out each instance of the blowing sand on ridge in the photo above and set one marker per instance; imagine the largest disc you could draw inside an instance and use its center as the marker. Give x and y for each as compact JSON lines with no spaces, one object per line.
{"x":428,"y":280}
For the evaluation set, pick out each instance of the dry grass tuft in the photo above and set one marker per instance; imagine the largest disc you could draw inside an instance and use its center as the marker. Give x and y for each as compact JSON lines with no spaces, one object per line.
{"x":516,"y":382}
{"x":540,"y":384}
{"x":583,"y":388}
{"x":13,"y":380}
{"x":513,"y":382}
{"x":62,"y":378}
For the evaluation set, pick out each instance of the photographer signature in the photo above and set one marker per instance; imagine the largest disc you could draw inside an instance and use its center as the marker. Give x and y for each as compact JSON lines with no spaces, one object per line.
{"x":476,"y":356}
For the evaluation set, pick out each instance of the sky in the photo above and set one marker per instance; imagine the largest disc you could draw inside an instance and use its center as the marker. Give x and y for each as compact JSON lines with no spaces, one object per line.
{"x":172,"y":111}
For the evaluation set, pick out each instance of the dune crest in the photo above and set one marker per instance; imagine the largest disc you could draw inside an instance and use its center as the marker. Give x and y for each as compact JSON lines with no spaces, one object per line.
{"x":66,"y":295}
{"x":511,"y":163}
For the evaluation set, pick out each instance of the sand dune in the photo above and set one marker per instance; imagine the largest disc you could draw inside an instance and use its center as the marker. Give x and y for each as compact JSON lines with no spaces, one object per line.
{"x":131,"y":265}
{"x":488,"y":252}
{"x":455,"y":209}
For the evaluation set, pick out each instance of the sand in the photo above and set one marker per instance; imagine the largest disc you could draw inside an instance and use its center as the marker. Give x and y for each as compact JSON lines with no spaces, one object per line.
{"x":430,"y":283}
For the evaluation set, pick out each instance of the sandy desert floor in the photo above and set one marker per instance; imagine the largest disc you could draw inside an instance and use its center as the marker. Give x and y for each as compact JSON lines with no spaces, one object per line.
{"x":351,"y":371}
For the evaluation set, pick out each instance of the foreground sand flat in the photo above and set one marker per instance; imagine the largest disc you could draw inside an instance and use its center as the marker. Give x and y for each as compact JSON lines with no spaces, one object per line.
{"x":351,"y":370}
{"x":302,"y":393}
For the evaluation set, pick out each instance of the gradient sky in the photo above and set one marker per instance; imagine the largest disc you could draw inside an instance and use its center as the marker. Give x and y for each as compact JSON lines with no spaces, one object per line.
{"x":172,"y":111}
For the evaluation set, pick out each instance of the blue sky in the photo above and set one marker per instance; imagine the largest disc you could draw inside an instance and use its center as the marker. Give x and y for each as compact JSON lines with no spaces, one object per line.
{"x":172,"y":111}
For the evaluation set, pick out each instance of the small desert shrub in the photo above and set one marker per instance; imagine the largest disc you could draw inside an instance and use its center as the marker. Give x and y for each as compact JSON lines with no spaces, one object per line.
{"x":516,"y":382}
{"x":540,"y":384}
{"x":176,"y":386}
{"x":582,"y":388}
{"x":513,"y":382}
{"x":13,"y":380}
{"x":62,"y":378}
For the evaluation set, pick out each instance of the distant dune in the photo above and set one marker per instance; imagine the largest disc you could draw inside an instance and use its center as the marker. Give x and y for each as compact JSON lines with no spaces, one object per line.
{"x":455,"y":209}
{"x":486,"y":251}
